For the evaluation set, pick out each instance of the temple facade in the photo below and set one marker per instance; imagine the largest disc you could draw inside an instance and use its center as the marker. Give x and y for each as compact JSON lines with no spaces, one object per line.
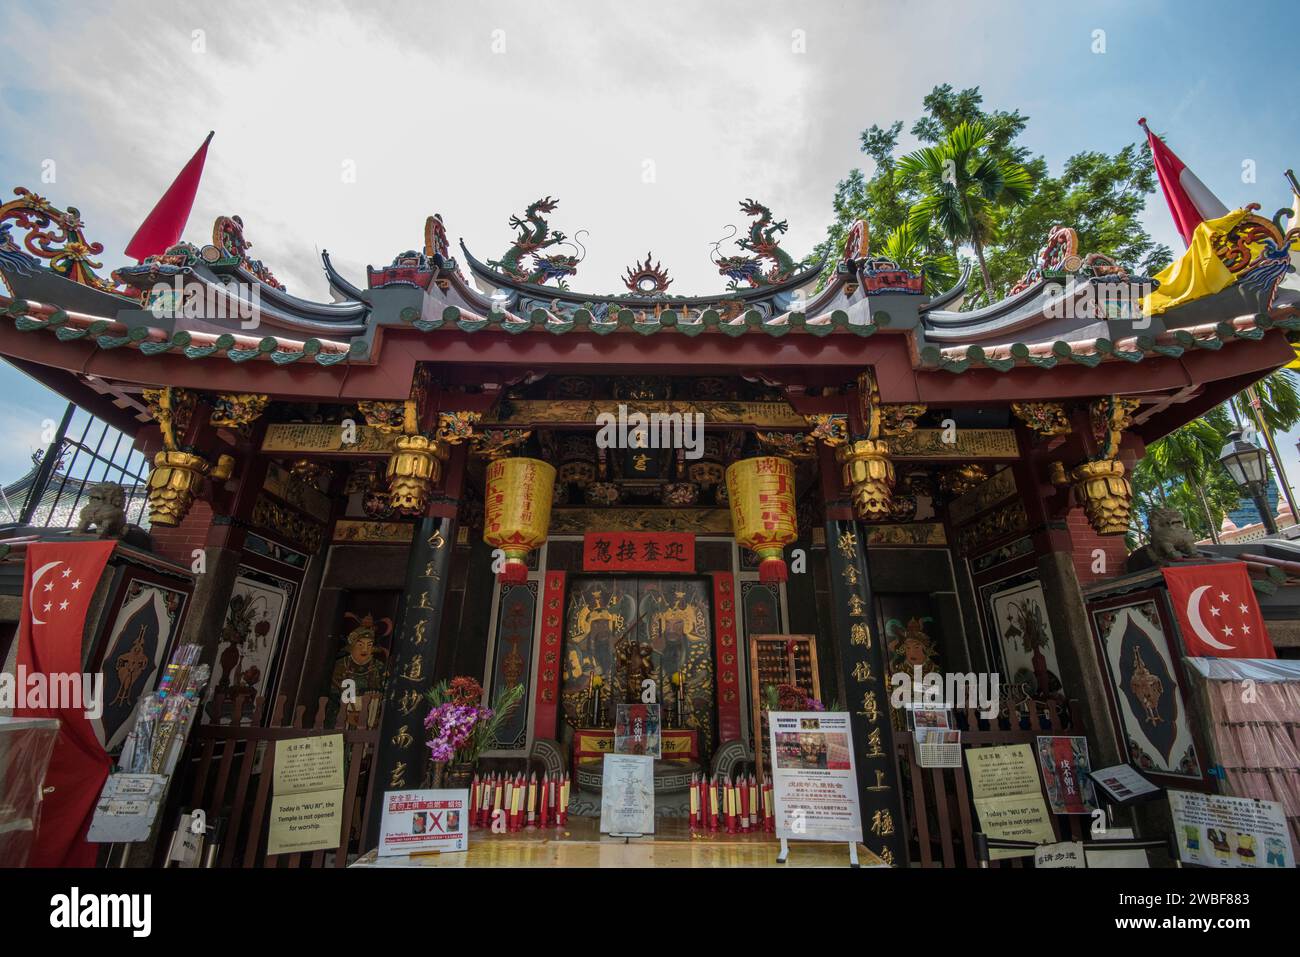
{"x":814,"y":480}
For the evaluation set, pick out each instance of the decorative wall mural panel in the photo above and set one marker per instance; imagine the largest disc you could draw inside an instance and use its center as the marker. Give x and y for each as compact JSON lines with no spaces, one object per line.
{"x":259,"y":612}
{"x":1146,"y":691}
{"x":1017,"y":614}
{"x":138,"y":642}
{"x":607,"y":616}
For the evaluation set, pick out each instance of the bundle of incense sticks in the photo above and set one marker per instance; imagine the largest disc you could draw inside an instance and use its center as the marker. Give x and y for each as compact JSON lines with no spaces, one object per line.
{"x":742,"y":792}
{"x":769,"y":807}
{"x":729,"y":802}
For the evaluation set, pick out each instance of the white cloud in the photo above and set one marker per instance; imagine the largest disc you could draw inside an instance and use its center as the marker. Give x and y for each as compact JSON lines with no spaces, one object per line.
{"x":435,"y":121}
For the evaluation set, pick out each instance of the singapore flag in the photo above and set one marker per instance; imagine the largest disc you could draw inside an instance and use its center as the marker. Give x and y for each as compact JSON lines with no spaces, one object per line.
{"x":1217,"y":611}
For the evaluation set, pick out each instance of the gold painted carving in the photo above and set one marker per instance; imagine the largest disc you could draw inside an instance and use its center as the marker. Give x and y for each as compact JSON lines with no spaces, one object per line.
{"x":299,"y":438}
{"x":1045,"y":418}
{"x":237,"y":410}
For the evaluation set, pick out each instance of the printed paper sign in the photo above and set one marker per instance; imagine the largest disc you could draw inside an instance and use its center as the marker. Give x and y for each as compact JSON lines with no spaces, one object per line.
{"x":1065,"y":854}
{"x":309,"y":764}
{"x":1000,"y":771}
{"x":1008,"y":798}
{"x":1215,"y":830}
{"x":627,"y":795}
{"x":127,"y":807}
{"x":636,"y":729}
{"x":421,"y":821}
{"x":1064,"y":762}
{"x":815,"y":786}
{"x":311,"y":821}
{"x":306,"y":795}
{"x":1122,"y":784}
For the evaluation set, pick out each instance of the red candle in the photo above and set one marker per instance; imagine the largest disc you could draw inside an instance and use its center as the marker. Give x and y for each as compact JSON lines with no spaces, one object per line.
{"x":714,"y":797}
{"x":542,"y":818}
{"x":532,"y":799}
{"x":473,"y":801}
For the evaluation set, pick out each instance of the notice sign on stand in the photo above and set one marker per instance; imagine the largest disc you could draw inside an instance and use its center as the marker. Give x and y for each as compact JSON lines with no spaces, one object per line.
{"x":627,"y":795}
{"x":307,"y":795}
{"x":1215,"y":830}
{"x":417,"y":822}
{"x":814,"y":784}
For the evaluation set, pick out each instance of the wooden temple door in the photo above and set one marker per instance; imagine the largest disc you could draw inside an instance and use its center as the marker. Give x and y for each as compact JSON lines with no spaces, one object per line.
{"x":606,"y":616}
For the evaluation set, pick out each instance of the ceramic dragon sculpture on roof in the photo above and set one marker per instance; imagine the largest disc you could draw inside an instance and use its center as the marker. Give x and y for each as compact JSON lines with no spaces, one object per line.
{"x":762,"y":241}
{"x":535,"y":235}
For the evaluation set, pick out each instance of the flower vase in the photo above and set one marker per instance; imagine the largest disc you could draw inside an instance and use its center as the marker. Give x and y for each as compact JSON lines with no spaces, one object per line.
{"x":458,"y":774}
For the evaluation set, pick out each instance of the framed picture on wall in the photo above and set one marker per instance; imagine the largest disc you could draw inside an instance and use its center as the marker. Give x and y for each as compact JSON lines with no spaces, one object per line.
{"x":256,"y":618}
{"x":1144,"y":683}
{"x":147,"y":612}
{"x":1025,"y":648}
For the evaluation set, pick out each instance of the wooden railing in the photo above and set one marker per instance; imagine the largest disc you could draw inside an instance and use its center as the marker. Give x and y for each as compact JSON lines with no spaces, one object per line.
{"x":941,"y":816}
{"x":232,"y":766}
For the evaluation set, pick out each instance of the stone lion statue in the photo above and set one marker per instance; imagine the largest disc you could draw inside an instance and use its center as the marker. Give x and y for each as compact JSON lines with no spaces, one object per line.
{"x":1170,"y":541}
{"x":104,"y":510}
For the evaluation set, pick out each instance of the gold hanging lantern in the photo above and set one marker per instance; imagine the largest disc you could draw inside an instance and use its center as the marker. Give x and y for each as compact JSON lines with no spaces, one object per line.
{"x":413,"y":470}
{"x":869,"y":474}
{"x":517,"y":508}
{"x":174,"y":481}
{"x":1105,"y":494}
{"x":760,"y":492}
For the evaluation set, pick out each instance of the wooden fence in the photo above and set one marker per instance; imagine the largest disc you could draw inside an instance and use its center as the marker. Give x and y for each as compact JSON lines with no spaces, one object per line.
{"x":939,"y":809}
{"x":232,"y":767}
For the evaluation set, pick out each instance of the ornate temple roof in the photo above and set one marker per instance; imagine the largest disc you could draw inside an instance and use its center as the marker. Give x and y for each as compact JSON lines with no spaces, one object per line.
{"x":1068,"y":311}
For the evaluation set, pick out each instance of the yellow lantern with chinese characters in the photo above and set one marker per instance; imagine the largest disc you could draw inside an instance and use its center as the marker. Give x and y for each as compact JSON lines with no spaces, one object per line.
{"x":760,"y":492}
{"x":517,"y":511}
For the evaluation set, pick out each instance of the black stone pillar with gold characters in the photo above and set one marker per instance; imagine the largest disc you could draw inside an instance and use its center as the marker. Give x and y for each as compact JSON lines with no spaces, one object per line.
{"x":861,"y":660}
{"x":400,"y":762}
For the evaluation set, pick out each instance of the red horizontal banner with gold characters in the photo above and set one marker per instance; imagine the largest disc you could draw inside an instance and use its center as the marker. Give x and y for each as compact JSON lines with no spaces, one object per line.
{"x":638,"y":552}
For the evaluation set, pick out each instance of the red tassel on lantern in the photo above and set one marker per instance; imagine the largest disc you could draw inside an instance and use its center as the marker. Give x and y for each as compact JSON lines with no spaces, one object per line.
{"x":513,"y":572}
{"x":773,"y":570}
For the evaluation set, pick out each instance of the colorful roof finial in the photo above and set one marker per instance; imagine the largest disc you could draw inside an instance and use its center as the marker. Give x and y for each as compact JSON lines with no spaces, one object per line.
{"x":646,"y":280}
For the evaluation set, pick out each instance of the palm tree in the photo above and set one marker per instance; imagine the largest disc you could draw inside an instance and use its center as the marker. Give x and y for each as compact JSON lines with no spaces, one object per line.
{"x":1187,"y":460}
{"x":961,"y":182}
{"x":910,"y":247}
{"x":1279,"y":401}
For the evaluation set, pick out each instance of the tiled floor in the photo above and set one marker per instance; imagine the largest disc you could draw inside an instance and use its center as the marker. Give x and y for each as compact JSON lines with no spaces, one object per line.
{"x":580,"y":844}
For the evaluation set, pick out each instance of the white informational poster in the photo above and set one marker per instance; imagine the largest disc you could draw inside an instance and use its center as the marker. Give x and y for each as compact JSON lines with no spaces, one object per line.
{"x":417,"y":822}
{"x":1122,"y":784}
{"x":814,"y":784}
{"x":1215,"y":830}
{"x":627,"y":794}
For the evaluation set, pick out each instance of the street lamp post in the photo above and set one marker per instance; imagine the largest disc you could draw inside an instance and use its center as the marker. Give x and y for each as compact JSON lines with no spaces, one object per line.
{"x":1247,"y":464}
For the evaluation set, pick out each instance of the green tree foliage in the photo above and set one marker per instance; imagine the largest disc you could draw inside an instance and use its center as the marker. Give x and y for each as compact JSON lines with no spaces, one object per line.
{"x":1099,"y":195}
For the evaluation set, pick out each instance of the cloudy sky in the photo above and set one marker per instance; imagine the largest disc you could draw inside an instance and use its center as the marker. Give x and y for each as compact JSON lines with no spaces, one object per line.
{"x":340,"y":126}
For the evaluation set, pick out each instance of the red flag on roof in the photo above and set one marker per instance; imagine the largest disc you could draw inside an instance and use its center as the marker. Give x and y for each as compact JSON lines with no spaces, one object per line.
{"x":163,"y":226}
{"x":1190,"y":201}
